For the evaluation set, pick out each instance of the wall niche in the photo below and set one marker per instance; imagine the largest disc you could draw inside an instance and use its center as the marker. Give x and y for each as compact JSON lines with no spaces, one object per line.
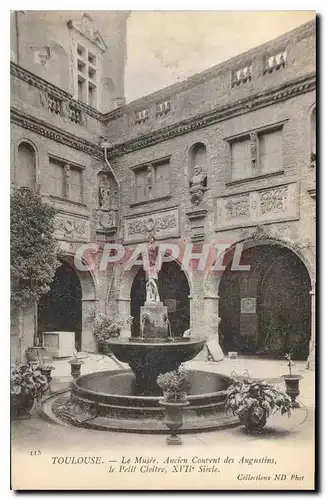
{"x":107,"y":203}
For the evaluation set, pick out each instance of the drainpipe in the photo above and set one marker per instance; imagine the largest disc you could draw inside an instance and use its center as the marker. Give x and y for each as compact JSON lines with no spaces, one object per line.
{"x":17,"y":37}
{"x":105,"y":146}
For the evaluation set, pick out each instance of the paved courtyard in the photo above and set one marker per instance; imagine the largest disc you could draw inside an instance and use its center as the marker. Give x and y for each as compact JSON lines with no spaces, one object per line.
{"x":27,"y":431}
{"x":281,"y":434}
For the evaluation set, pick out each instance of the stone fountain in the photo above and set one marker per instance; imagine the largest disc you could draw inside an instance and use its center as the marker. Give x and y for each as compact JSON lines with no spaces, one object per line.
{"x":128,"y":400}
{"x":156,"y":350}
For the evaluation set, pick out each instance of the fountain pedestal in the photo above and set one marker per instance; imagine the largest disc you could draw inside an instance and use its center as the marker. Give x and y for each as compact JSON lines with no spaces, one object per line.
{"x":154,"y":321}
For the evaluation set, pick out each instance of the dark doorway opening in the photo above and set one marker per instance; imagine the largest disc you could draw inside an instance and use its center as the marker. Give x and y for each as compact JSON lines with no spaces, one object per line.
{"x":61,"y":308}
{"x":174,"y":293}
{"x":266,"y":311}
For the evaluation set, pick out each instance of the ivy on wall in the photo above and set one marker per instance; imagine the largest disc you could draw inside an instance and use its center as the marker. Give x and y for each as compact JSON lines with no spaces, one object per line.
{"x":33,"y":248}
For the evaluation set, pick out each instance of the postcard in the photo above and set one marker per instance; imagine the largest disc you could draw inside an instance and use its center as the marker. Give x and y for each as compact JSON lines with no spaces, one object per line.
{"x":163,"y":250}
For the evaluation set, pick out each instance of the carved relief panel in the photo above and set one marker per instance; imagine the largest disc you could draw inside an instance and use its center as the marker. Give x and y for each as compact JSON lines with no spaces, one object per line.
{"x":265,"y":205}
{"x":71,"y":226}
{"x":164,"y":224}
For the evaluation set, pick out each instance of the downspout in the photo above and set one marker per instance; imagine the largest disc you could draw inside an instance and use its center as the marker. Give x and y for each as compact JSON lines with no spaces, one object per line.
{"x":17,"y":37}
{"x":105,"y":146}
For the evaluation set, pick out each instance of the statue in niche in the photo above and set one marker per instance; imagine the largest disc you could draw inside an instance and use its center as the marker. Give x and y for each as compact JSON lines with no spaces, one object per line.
{"x":253,"y":143}
{"x":152,"y":294}
{"x":104,"y":195}
{"x":150,"y":180}
{"x":198,"y":184}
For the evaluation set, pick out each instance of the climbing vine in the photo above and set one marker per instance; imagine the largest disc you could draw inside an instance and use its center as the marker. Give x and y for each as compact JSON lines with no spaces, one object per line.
{"x":33,"y":248}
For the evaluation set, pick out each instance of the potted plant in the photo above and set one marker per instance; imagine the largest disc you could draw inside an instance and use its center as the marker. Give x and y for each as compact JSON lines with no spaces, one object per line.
{"x":292,"y":382}
{"x":174,"y":385}
{"x":75,"y":365}
{"x":27,"y":383}
{"x":254,"y":401}
{"x":105,"y":328}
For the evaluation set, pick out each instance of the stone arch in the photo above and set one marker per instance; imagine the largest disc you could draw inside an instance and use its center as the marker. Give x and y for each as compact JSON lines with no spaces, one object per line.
{"x":300,"y":261}
{"x":89,"y":299}
{"x":123,"y":291}
{"x":213,"y":279}
{"x":26,"y":168}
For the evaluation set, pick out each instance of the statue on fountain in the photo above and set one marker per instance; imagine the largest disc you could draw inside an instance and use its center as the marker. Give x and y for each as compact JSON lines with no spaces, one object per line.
{"x":152,"y":294}
{"x":153,"y":314}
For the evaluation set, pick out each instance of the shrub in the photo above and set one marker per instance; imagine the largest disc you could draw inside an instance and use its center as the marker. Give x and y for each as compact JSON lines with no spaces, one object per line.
{"x":105,"y":328}
{"x":33,"y":254}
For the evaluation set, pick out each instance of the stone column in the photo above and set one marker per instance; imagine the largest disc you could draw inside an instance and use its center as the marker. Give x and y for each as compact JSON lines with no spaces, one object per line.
{"x":212,"y":320}
{"x":312,"y":344}
{"x":210,"y":314}
{"x":89,"y":309}
{"x":123,"y":313}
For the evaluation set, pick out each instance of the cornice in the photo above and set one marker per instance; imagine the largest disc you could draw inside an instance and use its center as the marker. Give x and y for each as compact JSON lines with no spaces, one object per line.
{"x":56,"y":134}
{"x":41,"y":84}
{"x":246,"y":105}
{"x":239,"y":107}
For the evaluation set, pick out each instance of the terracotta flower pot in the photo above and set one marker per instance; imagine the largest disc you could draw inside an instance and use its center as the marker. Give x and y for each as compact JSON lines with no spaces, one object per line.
{"x":174,"y":419}
{"x":75,"y":367}
{"x":292,"y":387}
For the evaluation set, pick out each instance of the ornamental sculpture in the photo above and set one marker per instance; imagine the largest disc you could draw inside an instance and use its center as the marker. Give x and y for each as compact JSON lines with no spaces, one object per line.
{"x":150,"y":181}
{"x":273,"y":200}
{"x":152,"y":294}
{"x":253,"y":149}
{"x":198,"y":185}
{"x":104,"y":195}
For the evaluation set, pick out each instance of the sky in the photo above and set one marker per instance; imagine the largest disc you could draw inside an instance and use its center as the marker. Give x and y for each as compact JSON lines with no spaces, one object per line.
{"x":165,"y":47}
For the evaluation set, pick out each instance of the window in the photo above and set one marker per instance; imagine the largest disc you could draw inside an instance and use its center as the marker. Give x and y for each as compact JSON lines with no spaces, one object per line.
{"x":240,"y":158}
{"x":75,"y":191}
{"x":162,"y":179}
{"x":141,"y":191}
{"x":65,"y":180}
{"x":86,"y":69}
{"x":56,"y":178}
{"x":270,"y":152}
{"x":152,"y":181}
{"x":259,"y":153}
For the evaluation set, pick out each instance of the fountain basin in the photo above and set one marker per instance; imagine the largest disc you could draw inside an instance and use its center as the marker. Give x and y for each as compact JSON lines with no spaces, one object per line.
{"x":147,"y":359}
{"x":109,"y":400}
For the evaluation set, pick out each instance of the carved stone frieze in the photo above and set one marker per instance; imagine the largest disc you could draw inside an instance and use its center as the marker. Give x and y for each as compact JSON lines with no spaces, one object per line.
{"x":162,"y":224}
{"x":71,"y":226}
{"x":248,"y":104}
{"x":273,"y":201}
{"x":237,"y":207}
{"x":258,"y":206}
